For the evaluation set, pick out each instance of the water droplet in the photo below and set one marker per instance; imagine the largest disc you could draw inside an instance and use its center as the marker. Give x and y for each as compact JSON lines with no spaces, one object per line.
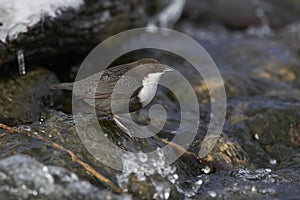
{"x":34,"y":193}
{"x":108,"y":196}
{"x":24,"y":128}
{"x":212,"y":194}
{"x":42,"y":119}
{"x":23,"y":187}
{"x":45,"y":169}
{"x":273,"y":161}
{"x":167,"y":194}
{"x":162,"y":190}
{"x":176,"y":176}
{"x":172,"y":169}
{"x":206,"y":170}
{"x":142,"y":157}
{"x":199,"y":182}
{"x":268,"y":170}
{"x":160,"y":152}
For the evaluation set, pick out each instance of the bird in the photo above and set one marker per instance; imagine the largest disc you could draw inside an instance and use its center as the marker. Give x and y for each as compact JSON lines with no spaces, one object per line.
{"x":120,"y":89}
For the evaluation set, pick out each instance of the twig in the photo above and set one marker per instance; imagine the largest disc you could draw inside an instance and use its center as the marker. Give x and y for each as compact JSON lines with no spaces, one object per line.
{"x":180,"y":150}
{"x":72,"y":155}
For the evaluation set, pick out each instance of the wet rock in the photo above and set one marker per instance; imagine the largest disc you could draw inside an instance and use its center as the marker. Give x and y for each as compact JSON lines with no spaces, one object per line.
{"x":289,"y":11}
{"x":23,"y":97}
{"x":266,"y":128}
{"x":228,"y":155}
{"x":22,"y":177}
{"x":255,"y":67}
{"x":235,"y":13}
{"x":240,"y":14}
{"x":247,"y":184}
{"x":60,"y":128}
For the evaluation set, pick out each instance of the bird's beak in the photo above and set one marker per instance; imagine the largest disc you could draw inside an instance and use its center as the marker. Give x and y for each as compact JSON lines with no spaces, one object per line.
{"x":169,"y":70}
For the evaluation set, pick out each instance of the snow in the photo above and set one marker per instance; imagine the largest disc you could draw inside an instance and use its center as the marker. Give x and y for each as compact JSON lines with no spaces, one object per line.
{"x":17,"y":15}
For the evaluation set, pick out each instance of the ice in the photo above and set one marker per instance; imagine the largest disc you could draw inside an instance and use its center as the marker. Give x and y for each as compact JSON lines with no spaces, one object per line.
{"x":17,"y":15}
{"x":21,"y":62}
{"x":168,"y":16}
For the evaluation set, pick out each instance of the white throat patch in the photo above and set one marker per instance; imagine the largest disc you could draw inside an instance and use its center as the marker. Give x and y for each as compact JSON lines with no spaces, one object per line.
{"x":148,"y":90}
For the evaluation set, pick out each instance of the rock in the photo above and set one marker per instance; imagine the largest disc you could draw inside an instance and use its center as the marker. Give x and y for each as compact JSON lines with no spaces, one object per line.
{"x":23,"y":97}
{"x":228,"y":155}
{"x":259,"y":67}
{"x":255,"y":67}
{"x":234,"y":13}
{"x":266,"y":128}
{"x":60,"y":128}
{"x":281,"y":12}
{"x":240,"y":14}
{"x":22,"y":177}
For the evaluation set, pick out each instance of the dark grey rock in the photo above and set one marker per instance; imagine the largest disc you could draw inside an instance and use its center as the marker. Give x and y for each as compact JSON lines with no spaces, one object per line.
{"x":239,"y":14}
{"x":23,"y":97}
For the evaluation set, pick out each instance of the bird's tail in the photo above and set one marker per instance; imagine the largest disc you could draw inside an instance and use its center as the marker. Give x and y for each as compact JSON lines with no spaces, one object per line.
{"x":62,"y":86}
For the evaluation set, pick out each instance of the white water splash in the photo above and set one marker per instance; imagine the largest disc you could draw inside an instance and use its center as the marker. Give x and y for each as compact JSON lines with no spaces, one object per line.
{"x":142,"y":167}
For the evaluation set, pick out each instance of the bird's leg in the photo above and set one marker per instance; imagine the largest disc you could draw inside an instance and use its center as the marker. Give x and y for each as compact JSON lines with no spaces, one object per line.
{"x":121,"y":125}
{"x":116,"y":119}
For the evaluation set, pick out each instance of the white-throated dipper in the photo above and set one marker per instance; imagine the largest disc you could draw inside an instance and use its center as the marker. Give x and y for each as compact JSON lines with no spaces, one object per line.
{"x":134,"y":86}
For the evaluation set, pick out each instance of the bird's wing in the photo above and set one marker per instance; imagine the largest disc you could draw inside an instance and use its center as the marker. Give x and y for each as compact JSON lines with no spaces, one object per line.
{"x":103,"y":84}
{"x":97,"y":96}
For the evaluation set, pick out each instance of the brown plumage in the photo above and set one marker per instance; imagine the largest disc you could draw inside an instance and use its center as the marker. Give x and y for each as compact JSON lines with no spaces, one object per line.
{"x":136,"y":88}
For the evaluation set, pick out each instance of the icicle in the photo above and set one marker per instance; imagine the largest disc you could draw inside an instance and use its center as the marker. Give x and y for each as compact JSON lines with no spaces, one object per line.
{"x":21,"y":62}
